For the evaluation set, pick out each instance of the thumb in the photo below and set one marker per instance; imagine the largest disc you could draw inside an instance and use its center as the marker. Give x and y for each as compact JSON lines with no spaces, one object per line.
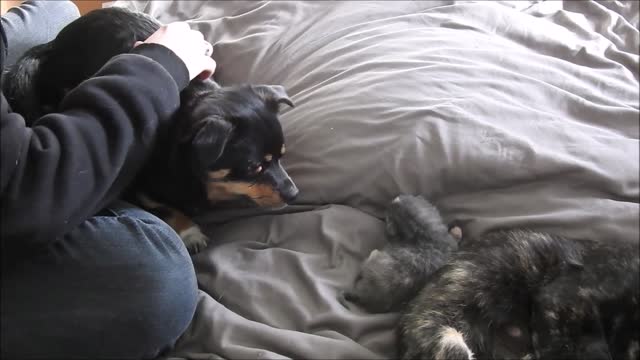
{"x":209,"y":67}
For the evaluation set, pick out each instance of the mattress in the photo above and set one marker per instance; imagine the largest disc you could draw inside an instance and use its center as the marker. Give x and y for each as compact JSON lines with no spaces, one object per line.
{"x":504,"y":114}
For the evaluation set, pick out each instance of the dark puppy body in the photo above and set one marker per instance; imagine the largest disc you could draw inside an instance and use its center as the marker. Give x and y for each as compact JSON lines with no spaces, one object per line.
{"x":225,"y":145}
{"x":515,"y":294}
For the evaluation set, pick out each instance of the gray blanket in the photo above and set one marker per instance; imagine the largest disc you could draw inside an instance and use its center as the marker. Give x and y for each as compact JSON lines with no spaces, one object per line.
{"x":505,"y":114}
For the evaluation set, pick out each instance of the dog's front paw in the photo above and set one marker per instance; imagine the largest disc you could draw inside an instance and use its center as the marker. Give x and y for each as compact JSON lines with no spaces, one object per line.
{"x":194,"y":239}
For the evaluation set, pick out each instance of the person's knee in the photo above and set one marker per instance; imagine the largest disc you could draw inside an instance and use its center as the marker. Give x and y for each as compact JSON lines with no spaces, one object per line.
{"x":63,"y":12}
{"x":126,"y":270}
{"x":157,"y":264}
{"x":166,"y":315}
{"x":165,"y":310}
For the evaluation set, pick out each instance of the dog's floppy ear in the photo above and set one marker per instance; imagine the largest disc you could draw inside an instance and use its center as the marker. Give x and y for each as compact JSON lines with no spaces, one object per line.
{"x":211,"y":138}
{"x":275,"y":93}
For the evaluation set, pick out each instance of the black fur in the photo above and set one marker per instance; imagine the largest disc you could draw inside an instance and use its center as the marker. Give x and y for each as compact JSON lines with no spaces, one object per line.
{"x":36,"y":84}
{"x":235,"y":129}
{"x":509,"y":294}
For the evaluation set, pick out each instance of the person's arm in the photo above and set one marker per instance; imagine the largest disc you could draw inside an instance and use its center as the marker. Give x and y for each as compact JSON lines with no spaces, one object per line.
{"x":71,"y":164}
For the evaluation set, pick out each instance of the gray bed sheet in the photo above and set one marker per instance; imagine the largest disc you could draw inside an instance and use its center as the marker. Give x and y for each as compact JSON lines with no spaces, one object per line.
{"x":505,"y":114}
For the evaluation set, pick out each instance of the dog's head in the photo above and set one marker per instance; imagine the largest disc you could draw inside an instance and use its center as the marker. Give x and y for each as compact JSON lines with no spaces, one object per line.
{"x":233,"y":141}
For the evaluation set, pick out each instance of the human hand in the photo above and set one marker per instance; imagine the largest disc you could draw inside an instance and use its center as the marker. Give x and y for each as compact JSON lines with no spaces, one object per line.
{"x":189,"y":45}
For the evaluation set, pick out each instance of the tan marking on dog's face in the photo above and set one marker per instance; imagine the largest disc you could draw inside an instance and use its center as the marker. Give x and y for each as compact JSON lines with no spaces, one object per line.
{"x":263,"y":195}
{"x":218,"y":174}
{"x":268,"y":158}
{"x":283,"y":149}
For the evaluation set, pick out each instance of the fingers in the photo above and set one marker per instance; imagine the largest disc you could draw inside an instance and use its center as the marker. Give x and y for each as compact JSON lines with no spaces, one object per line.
{"x":189,"y":45}
{"x":198,"y":35}
{"x":209,"y":66}
{"x":178,"y":26}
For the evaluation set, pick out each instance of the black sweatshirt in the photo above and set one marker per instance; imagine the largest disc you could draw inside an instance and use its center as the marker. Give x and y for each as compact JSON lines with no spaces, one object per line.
{"x":69,"y":165}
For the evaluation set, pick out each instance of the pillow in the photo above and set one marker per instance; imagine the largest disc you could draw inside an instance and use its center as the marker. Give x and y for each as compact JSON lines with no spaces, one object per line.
{"x":504,"y":114}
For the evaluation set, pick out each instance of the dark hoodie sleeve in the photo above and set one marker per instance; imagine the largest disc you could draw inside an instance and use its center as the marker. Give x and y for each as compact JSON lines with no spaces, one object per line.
{"x":69,"y":165}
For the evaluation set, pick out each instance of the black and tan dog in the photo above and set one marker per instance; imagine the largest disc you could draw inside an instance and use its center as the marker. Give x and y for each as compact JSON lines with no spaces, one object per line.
{"x":224,"y":150}
{"x":513,"y":294}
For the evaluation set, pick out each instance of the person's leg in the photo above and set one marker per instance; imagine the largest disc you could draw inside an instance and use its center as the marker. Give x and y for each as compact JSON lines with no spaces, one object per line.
{"x":120,"y":286}
{"x":35,"y":22}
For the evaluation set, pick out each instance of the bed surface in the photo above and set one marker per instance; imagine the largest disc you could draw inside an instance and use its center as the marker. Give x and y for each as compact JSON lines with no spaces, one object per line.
{"x":504,"y":114}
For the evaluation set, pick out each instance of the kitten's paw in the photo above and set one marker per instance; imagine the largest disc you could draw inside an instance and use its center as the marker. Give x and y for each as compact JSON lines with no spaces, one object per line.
{"x":456,"y":232}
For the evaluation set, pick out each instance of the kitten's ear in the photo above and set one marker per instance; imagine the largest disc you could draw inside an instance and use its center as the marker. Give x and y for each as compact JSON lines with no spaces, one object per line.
{"x":211,"y":138}
{"x":276,"y":93}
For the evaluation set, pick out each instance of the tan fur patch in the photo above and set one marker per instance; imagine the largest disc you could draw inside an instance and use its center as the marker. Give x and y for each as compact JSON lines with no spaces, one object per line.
{"x":218,"y":174}
{"x":268,"y":157}
{"x":263,"y":195}
{"x":283,"y":150}
{"x":176,"y":219}
{"x":179,"y":221}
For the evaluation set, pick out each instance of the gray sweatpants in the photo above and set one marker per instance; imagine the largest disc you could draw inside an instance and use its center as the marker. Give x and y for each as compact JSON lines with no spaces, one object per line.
{"x":33,"y":23}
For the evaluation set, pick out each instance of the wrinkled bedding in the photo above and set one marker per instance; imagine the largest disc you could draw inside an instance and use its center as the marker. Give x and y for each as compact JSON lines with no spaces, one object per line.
{"x":505,"y":114}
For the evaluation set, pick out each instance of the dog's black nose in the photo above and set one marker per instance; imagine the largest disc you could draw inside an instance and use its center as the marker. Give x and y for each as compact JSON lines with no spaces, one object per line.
{"x":290,"y":191}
